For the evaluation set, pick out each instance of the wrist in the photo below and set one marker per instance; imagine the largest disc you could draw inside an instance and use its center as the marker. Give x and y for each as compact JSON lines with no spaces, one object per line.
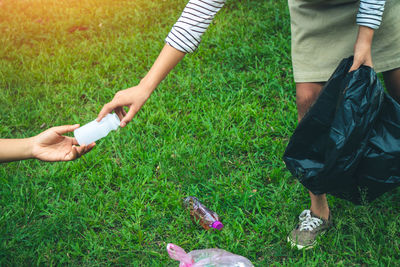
{"x":148,"y":84}
{"x":165,"y":62}
{"x":29,"y":144}
{"x":365,"y":35}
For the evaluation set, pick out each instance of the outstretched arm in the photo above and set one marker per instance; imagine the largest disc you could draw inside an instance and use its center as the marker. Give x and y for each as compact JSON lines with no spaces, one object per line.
{"x":135,"y":97}
{"x":49,"y":145}
{"x":15,"y":149}
{"x":183,"y":38}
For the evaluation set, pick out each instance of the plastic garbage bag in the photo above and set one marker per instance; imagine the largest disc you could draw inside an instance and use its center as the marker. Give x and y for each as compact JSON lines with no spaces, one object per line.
{"x":214,"y":257}
{"x":343,"y":140}
{"x":379,"y":169}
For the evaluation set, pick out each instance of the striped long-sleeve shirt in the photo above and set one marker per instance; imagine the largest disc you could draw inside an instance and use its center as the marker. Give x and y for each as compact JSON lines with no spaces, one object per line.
{"x":370,"y":13}
{"x":186,"y":34}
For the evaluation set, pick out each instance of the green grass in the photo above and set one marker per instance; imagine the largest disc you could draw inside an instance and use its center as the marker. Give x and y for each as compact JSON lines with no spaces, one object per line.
{"x":216,"y":128}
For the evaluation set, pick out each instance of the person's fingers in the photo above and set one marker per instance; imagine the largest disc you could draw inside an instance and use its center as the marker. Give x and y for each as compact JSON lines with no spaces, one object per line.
{"x":128,"y":117}
{"x":80,"y":150}
{"x":120,"y":112}
{"x":353,"y":68}
{"x":123,"y":113}
{"x":358,"y":62}
{"x":89,"y":147}
{"x":74,"y":141}
{"x":73,"y":154}
{"x":65,"y":128}
{"x":107,"y":108}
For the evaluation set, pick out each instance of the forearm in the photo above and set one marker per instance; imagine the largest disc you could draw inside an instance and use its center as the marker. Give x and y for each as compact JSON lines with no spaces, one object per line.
{"x":365,"y":35}
{"x":362,"y":48}
{"x":183,"y":38}
{"x":15,"y":149}
{"x":166,"y":61}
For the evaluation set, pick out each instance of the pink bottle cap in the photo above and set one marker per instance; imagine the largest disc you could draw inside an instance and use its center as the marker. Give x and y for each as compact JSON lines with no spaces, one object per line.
{"x":217,"y":225}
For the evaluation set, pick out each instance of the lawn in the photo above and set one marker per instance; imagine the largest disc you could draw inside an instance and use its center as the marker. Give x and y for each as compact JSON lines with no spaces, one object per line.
{"x":215,"y":128}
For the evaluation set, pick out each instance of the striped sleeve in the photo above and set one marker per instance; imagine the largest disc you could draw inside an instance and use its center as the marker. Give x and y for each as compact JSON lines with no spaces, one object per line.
{"x":186,"y":34}
{"x":370,"y":13}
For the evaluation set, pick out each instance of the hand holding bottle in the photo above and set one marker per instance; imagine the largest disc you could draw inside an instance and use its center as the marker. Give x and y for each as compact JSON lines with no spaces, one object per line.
{"x":52,"y":145}
{"x":135,"y":97}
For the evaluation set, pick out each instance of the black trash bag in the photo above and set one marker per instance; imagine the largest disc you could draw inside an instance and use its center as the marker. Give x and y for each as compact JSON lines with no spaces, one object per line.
{"x":339,"y":135}
{"x":379,"y":169}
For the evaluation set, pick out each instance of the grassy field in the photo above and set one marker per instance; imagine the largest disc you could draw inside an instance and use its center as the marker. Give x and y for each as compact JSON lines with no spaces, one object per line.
{"x":216,"y":128}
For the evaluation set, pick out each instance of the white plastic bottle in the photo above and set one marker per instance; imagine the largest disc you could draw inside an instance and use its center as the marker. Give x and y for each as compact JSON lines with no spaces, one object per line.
{"x":94,"y":130}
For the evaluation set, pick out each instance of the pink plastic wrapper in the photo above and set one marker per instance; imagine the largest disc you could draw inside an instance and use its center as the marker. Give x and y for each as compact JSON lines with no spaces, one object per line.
{"x":213,"y":257}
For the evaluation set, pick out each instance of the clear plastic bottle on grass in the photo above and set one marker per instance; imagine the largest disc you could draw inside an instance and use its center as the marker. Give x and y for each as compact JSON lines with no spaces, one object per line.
{"x":208,"y":219}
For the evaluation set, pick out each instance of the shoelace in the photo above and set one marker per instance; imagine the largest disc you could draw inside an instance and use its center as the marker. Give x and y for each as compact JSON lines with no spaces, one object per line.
{"x":307,"y":222}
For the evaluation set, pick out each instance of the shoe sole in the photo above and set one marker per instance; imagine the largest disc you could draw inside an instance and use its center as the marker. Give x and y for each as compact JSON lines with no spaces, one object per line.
{"x":300,"y":247}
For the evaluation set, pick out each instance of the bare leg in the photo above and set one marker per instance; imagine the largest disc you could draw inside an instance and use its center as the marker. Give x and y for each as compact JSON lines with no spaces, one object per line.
{"x":392,"y":82}
{"x":319,"y":205}
{"x":306,"y":94}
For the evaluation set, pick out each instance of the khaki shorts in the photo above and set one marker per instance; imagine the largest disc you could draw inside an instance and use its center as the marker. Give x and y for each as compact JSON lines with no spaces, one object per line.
{"x":324,"y":32}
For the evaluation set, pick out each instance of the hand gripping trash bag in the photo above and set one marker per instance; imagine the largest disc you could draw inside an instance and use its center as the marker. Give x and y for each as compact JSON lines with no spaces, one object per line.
{"x":213,"y":257}
{"x":342,"y":144}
